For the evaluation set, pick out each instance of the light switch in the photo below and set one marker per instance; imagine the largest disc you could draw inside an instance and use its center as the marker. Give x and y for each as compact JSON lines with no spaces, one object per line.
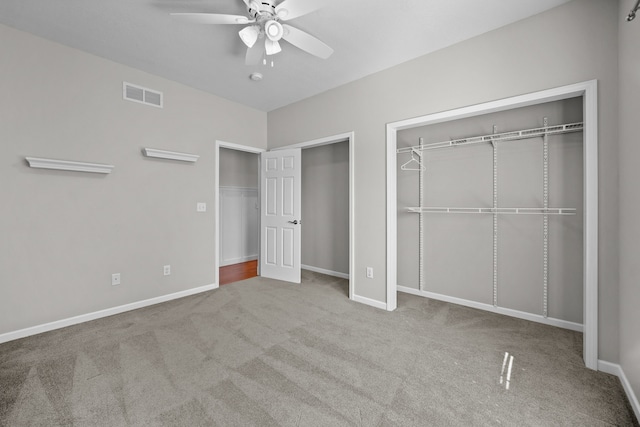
{"x":201,"y":207}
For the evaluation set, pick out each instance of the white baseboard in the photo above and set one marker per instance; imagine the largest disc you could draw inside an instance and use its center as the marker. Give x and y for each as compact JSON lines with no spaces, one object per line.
{"x":615,"y":369}
{"x":34,"y":330}
{"x":500,"y":310}
{"x":369,"y":301}
{"x":323,"y":271}
{"x":238,"y":260}
{"x":609,"y":368}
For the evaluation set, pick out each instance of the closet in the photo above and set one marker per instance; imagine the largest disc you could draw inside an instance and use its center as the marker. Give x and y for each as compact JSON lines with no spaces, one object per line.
{"x":325,"y":209}
{"x":239,"y":219}
{"x":239,"y":207}
{"x":490,"y":211}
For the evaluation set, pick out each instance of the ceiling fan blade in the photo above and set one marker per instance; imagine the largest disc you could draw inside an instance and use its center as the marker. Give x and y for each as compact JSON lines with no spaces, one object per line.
{"x":255,"y":53}
{"x":291,"y":9}
{"x":212,"y":18}
{"x":306,"y":42}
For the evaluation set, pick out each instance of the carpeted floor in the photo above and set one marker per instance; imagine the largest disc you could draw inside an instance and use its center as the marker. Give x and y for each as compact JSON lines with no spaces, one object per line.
{"x":266,"y":353}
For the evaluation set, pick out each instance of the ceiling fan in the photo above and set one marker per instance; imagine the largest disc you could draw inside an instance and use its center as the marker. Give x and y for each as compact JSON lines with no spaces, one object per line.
{"x":266,"y":22}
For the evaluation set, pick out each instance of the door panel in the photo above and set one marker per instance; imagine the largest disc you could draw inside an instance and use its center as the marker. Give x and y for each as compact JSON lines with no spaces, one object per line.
{"x":281,"y":215}
{"x":288,"y":189}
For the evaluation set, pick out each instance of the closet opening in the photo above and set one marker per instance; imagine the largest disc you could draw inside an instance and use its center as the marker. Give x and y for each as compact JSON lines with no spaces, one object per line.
{"x":495,"y":207}
{"x":325,"y":209}
{"x":237,"y":207}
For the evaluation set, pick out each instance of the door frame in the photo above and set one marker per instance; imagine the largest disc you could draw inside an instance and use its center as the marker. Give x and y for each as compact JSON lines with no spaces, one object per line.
{"x":589,"y":92}
{"x":216,"y":199}
{"x":349,"y":137}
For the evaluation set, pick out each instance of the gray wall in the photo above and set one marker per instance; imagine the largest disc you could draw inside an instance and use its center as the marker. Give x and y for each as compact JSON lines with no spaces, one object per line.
{"x":325,"y":207}
{"x":458,"y":256}
{"x":572,"y":43}
{"x":238,"y":168}
{"x":65,"y":233}
{"x":629,"y":196}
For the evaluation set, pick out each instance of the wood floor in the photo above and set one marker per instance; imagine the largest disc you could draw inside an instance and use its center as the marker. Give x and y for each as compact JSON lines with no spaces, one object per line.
{"x":237,"y":272}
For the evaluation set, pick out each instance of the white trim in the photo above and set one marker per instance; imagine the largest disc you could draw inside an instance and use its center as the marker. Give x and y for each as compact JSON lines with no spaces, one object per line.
{"x":240,"y":147}
{"x":34,"y":330}
{"x":392,"y":220}
{"x":588,"y":90}
{"x":615,"y":369}
{"x":369,"y":301}
{"x":238,"y":260}
{"x":350,"y":138}
{"x":499,"y":310}
{"x":590,"y":264}
{"x":170,"y":155}
{"x":216,"y":197}
{"x":609,"y":368}
{"x":323,"y":271}
{"x":67,"y":165}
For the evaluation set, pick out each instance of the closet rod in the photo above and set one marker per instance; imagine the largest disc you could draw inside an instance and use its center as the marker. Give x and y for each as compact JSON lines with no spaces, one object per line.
{"x":506,"y":136}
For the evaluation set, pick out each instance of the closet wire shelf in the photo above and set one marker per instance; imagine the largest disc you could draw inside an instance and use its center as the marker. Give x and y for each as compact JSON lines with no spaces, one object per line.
{"x":506,"y":136}
{"x":508,"y":211}
{"x":493,"y":138}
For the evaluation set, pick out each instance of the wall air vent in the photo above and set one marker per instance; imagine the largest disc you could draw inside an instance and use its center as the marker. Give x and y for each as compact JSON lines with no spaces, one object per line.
{"x":141,"y":94}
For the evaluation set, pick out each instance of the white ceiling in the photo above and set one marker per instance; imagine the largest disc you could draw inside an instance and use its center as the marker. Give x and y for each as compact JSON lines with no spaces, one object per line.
{"x":367,"y":36}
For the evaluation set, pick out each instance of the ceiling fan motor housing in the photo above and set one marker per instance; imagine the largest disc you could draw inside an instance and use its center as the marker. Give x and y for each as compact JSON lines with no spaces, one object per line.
{"x":262,"y":10}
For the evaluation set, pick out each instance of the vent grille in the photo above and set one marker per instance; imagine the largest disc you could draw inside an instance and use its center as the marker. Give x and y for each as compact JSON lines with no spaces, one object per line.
{"x":142,"y":95}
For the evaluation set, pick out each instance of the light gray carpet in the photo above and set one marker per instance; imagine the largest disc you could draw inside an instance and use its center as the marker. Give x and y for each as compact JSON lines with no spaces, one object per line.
{"x":267,"y":353}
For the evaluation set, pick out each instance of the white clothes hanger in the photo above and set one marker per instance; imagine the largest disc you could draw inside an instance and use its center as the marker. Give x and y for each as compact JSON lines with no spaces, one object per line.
{"x":414,"y":164}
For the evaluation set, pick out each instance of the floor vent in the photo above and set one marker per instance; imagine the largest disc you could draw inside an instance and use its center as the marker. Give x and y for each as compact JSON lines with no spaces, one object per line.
{"x":141,"y":94}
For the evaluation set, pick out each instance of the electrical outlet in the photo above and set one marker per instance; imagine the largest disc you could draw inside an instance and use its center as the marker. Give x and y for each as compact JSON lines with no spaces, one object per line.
{"x":167,"y":270}
{"x":201,"y":207}
{"x":370,"y":272}
{"x":115,"y":279}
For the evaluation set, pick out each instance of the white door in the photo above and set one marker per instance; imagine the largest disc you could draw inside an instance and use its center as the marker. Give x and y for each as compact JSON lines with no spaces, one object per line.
{"x":280,"y":218}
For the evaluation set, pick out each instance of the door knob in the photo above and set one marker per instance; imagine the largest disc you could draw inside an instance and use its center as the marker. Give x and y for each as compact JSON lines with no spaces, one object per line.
{"x":295,"y":222}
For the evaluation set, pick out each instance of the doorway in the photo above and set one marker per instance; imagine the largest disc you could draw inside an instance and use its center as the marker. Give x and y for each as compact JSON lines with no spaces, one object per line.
{"x":325,"y":207}
{"x":349,"y":138}
{"x":348,"y":146}
{"x":236,"y":200}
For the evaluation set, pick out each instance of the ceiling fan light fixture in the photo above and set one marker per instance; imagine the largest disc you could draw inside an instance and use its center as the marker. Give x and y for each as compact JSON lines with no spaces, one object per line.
{"x":249,"y":35}
{"x":273,"y":30}
{"x":272,"y":47}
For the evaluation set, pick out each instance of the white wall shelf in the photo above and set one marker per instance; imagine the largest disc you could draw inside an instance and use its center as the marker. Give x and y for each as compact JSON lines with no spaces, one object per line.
{"x":40,"y":163}
{"x":170,"y":155}
{"x":510,"y":211}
